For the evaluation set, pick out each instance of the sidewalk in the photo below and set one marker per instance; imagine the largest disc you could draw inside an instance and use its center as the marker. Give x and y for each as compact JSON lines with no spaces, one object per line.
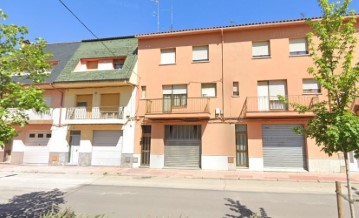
{"x":179,"y":173}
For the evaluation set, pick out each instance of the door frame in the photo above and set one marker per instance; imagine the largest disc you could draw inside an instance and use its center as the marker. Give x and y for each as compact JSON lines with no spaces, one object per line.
{"x":244,"y":133}
{"x":71,"y":146}
{"x":146,"y":138}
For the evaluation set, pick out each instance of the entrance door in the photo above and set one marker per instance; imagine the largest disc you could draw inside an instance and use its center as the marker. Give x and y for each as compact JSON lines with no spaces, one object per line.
{"x":75,"y":137}
{"x":145,"y":145}
{"x":241,"y":146}
{"x":183,"y":146}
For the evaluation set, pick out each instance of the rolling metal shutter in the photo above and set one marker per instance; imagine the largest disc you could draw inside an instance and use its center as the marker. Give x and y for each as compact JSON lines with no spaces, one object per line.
{"x":182,"y":146}
{"x":107,"y":147}
{"x":282,"y":147}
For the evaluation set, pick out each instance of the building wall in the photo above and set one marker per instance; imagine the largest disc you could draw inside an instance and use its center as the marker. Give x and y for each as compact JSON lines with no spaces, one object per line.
{"x":230,"y":60}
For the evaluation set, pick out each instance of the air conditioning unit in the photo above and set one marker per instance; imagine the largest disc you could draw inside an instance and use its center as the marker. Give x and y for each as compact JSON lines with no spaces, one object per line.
{"x":217,"y":111}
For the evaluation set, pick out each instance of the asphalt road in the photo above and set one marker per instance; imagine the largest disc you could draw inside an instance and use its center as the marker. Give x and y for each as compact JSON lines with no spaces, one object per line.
{"x":28,"y":195}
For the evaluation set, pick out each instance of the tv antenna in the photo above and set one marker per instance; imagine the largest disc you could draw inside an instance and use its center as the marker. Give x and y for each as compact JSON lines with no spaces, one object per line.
{"x":158,"y":12}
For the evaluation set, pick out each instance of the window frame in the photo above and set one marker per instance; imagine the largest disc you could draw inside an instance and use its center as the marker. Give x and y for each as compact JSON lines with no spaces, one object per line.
{"x":200,"y":60}
{"x":235,"y":84}
{"x":298,"y":53}
{"x":261,"y":56}
{"x":162,"y":51}
{"x":208,"y":84}
{"x":177,"y":100}
{"x":92,"y":61}
{"x":311,"y":92}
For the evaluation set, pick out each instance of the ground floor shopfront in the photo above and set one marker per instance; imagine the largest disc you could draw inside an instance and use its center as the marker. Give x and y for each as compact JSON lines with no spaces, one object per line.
{"x":253,"y":144}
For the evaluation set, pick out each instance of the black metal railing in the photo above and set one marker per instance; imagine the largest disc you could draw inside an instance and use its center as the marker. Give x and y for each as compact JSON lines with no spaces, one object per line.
{"x":179,"y":106}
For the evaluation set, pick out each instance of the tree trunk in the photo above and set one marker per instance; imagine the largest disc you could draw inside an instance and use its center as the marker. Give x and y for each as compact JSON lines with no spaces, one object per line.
{"x":350,"y":197}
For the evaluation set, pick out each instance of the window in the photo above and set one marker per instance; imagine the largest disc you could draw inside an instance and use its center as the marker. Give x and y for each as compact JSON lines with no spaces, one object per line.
{"x":40,"y":135}
{"x":298,"y":47}
{"x":200,"y":53}
{"x":260,"y":49}
{"x":175,"y":96}
{"x":209,"y":90}
{"x":118,"y":64}
{"x":310,"y":86}
{"x":143,"y":92}
{"x":48,"y":135}
{"x":168,"y":56}
{"x":31,"y":135}
{"x":92,"y":65}
{"x":235,"y":89}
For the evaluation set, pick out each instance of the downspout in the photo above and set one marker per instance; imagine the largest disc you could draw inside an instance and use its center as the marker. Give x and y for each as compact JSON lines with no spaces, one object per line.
{"x":222,"y":45}
{"x":61,"y":102}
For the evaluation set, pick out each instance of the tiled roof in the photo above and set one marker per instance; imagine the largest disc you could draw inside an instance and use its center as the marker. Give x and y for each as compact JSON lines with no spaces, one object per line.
{"x":101,"y":48}
{"x":232,"y":26}
{"x":62,"y":52}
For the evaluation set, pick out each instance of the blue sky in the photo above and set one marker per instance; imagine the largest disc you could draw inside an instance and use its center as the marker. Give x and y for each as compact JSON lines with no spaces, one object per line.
{"x":109,"y":18}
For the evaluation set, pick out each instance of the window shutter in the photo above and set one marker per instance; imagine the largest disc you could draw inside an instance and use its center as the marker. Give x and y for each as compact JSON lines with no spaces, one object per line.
{"x":298,"y":46}
{"x":180,"y":89}
{"x":209,"y":90}
{"x":260,"y":49}
{"x":310,"y":86}
{"x":168,"y":56}
{"x":200,"y":53}
{"x":276,"y":88}
{"x":167,"y":90}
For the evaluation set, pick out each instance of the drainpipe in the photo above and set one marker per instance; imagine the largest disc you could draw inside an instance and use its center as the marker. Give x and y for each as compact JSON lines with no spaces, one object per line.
{"x":222,"y":44}
{"x":61,"y":102}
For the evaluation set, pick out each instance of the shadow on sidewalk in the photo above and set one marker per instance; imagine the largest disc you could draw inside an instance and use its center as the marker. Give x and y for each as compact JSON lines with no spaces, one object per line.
{"x":241,"y":211}
{"x":32,"y":204}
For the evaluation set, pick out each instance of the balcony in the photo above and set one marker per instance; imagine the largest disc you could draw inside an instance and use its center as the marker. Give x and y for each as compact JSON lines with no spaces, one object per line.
{"x":271,"y":106}
{"x":95,"y":115}
{"x":36,"y":117}
{"x":178,"y":108}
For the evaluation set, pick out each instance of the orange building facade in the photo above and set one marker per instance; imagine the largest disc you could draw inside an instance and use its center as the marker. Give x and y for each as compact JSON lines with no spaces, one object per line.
{"x":208,"y":99}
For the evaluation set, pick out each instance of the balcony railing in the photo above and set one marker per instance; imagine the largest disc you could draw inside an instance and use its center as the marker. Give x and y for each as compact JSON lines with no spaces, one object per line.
{"x":178,"y":106}
{"x":83,"y":113}
{"x":273,"y":104}
{"x":36,"y":115}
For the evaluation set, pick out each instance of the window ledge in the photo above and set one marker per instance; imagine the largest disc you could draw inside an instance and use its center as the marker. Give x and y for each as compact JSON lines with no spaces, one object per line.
{"x":167,"y":64}
{"x":303,"y":55}
{"x":199,"y":62}
{"x":235,"y":96}
{"x":261,"y":57}
{"x":312,"y":94}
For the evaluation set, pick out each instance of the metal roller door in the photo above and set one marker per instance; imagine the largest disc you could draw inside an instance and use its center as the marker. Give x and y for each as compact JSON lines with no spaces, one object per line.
{"x":182,"y":146}
{"x":107,"y":147}
{"x":36,"y":150}
{"x":282,"y":147}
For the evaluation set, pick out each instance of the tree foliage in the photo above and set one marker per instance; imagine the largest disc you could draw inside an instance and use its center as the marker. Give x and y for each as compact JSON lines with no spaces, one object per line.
{"x":331,"y":45}
{"x":19,"y":62}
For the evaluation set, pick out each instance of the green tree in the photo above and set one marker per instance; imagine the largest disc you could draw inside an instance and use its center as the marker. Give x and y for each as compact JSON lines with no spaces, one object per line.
{"x":19,"y":61}
{"x":331,"y":45}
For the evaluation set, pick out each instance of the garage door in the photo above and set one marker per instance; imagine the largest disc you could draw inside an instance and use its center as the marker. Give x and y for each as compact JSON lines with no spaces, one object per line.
{"x":36,"y":149}
{"x":107,"y":147}
{"x":282,"y":147}
{"x":182,"y":146}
